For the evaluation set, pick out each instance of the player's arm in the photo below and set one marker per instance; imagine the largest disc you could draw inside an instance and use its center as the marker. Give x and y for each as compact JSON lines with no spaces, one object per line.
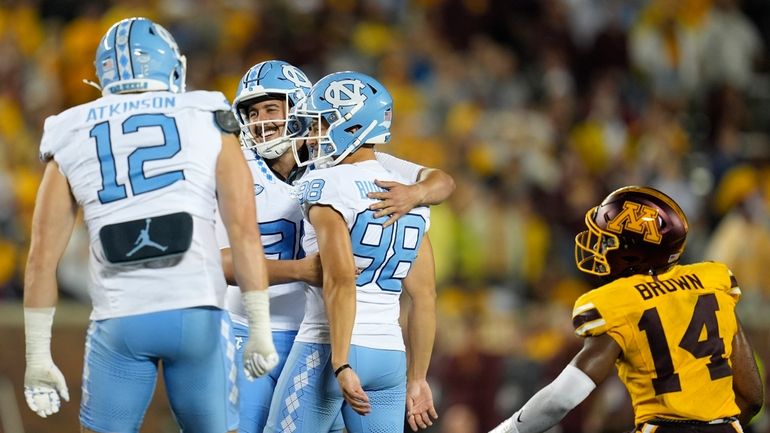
{"x":339,"y":295}
{"x":237,"y":209}
{"x":747,"y":383}
{"x":52,"y":223}
{"x":420,"y":285}
{"x":588,"y":368}
{"x":307,"y":269}
{"x":432,"y":186}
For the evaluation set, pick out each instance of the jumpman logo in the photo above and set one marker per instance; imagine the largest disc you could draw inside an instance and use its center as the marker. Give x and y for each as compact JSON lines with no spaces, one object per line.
{"x":144,"y":240}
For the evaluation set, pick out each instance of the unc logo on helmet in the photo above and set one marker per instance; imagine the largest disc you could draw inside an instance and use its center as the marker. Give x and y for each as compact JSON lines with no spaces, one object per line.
{"x":634,"y":230}
{"x":355,"y":109}
{"x":345,"y":93}
{"x":297,"y":77}
{"x":137,"y":54}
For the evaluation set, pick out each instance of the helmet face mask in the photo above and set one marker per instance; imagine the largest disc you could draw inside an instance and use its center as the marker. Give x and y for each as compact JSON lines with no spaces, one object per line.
{"x":357,"y":110}
{"x":320,"y":147}
{"x":592,"y":246}
{"x":138,"y":55}
{"x":635,"y":230}
{"x":265,"y":126}
{"x":272,"y":80}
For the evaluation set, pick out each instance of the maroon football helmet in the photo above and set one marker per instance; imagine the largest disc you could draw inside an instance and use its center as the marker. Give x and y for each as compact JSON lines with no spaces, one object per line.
{"x":634,"y":230}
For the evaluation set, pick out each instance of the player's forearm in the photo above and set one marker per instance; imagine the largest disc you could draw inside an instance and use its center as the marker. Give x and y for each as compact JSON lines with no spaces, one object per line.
{"x":435,"y":186}
{"x":40,"y":285}
{"x":283,"y":271}
{"x":420,"y":285}
{"x":339,"y":295}
{"x":747,"y":383}
{"x":52,"y":223}
{"x":748,"y":410}
{"x":421,"y":330}
{"x":549,"y":406}
{"x":227,"y":265}
{"x":339,"y":284}
{"x":249,"y":263}
{"x":40,"y":288}
{"x":278,"y":271}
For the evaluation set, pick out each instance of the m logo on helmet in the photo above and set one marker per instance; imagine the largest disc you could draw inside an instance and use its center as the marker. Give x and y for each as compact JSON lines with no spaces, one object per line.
{"x":296,"y":76}
{"x":637,"y":218}
{"x":345,"y":93}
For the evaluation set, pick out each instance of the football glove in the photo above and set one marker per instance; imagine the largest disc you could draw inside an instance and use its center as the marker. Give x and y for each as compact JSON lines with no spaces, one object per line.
{"x":43,"y":386}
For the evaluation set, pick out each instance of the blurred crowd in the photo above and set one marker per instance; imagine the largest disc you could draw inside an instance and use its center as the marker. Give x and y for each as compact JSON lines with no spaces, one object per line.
{"x":537,"y":108}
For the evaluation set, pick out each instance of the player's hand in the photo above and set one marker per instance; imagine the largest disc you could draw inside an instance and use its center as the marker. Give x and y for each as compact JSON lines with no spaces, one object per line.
{"x":398,"y":200}
{"x":312,"y":271}
{"x":259,"y":360}
{"x":419,"y":405}
{"x":352,"y":391}
{"x":44,"y":384}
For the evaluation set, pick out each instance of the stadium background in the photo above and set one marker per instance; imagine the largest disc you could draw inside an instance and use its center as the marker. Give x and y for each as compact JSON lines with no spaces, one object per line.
{"x":537,"y":108}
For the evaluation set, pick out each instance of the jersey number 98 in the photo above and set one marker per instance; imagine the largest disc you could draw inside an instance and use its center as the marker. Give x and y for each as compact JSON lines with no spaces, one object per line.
{"x":390,"y":250}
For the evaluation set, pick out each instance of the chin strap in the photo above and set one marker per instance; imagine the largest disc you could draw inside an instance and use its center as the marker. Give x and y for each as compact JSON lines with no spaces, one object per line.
{"x":92,"y":84}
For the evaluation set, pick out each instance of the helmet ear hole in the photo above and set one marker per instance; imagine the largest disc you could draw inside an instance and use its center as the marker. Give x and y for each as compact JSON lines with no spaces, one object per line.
{"x":352,"y":129}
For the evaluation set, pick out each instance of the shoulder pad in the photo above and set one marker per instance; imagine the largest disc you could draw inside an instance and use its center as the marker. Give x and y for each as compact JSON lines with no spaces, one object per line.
{"x":226,"y":121}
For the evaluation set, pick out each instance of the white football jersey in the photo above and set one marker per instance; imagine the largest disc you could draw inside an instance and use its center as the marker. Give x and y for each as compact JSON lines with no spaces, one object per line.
{"x":129,"y":157}
{"x":280,"y":224}
{"x":385,"y":255}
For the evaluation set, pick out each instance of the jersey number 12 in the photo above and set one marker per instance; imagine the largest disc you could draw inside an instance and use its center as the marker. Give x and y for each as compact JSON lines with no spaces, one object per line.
{"x":112,"y":190}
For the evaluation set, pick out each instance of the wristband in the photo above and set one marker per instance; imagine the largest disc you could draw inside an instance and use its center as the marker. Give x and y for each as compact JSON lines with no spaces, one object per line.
{"x":341,"y":367}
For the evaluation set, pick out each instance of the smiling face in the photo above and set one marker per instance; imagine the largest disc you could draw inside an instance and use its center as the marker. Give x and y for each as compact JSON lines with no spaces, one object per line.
{"x":267,"y":119}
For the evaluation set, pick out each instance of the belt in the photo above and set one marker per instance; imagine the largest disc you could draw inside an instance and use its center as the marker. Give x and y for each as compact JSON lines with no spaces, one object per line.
{"x":666,"y":421}
{"x":658,"y":425}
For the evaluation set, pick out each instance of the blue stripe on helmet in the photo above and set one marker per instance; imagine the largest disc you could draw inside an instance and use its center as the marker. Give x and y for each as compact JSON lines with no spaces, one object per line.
{"x":122,"y":53}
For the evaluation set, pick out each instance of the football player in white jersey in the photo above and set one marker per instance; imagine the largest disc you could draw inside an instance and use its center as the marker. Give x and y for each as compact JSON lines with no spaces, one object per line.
{"x":265,"y":94}
{"x":349,"y":355}
{"x":146,"y":162}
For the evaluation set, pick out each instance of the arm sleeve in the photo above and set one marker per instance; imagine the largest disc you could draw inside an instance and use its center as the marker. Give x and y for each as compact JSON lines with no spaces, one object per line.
{"x":406,"y":169}
{"x":546,"y":408}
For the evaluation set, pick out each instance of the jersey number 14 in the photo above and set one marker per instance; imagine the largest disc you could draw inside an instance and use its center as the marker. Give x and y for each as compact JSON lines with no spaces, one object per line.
{"x":713,"y":346}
